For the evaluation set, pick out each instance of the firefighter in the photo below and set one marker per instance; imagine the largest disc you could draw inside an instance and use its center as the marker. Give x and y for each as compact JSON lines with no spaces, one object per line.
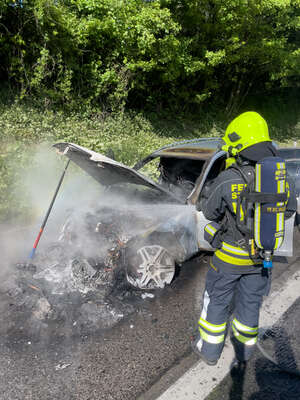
{"x":234,"y":278}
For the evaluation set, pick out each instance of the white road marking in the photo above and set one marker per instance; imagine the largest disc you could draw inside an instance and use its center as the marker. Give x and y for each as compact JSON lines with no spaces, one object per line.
{"x":200,"y":380}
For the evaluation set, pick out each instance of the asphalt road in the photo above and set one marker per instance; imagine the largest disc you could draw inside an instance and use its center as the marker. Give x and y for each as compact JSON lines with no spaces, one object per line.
{"x":262,"y":379}
{"x":137,"y":359}
{"x":279,"y":344}
{"x":120,"y":363}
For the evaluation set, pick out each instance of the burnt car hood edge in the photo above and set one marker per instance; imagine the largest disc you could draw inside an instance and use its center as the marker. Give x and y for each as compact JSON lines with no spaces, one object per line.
{"x":105,"y":170}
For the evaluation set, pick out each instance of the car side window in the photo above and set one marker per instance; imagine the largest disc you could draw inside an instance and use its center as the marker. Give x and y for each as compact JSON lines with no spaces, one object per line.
{"x":176,"y":170}
{"x":211,"y":170}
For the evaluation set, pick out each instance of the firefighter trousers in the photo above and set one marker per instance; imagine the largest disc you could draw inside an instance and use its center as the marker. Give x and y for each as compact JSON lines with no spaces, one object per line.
{"x":240,"y":293}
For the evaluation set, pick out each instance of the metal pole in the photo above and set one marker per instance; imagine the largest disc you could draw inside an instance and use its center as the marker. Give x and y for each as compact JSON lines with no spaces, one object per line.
{"x":32,"y":253}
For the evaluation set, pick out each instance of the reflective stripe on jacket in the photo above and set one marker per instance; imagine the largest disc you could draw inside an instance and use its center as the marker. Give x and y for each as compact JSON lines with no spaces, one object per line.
{"x":234,"y":255}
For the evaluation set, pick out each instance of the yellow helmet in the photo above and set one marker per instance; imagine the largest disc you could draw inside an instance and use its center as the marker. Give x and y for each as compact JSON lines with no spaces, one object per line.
{"x":244,"y":131}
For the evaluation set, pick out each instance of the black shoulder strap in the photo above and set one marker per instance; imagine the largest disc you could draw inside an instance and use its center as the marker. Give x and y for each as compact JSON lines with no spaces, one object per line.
{"x":257,"y":197}
{"x":238,"y":237}
{"x":239,"y":169}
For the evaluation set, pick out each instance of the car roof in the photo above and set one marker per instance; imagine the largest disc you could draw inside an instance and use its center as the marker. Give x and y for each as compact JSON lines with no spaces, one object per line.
{"x":194,"y":149}
{"x":290,"y":153}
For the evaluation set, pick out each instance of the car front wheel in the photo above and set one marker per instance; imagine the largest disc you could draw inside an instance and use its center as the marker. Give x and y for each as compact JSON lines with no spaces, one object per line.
{"x":149,"y":266}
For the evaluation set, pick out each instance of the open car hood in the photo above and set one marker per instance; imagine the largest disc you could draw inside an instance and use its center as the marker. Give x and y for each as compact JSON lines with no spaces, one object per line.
{"x":105,"y":170}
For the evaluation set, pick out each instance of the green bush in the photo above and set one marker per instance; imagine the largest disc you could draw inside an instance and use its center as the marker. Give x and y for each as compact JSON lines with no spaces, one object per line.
{"x":111,"y":53}
{"x":97,"y":51}
{"x":237,"y":47}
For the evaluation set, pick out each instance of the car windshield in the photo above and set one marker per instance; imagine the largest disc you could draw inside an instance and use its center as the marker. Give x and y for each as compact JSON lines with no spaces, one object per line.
{"x":178,"y":175}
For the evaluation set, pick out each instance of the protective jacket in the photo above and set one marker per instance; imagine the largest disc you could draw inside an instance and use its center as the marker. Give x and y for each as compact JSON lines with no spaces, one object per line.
{"x":219,"y":198}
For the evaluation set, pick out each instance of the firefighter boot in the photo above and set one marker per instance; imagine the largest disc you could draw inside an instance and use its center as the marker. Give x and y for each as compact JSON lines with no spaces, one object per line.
{"x":196,"y":346}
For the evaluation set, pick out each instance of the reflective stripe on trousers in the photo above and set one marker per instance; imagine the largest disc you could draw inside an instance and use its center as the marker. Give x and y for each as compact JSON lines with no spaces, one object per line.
{"x":212,"y":336}
{"x":211,"y":333}
{"x":247,"y":335}
{"x":216,"y":333}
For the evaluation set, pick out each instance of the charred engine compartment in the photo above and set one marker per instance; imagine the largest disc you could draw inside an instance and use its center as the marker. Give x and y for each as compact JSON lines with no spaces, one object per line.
{"x":78,"y":283}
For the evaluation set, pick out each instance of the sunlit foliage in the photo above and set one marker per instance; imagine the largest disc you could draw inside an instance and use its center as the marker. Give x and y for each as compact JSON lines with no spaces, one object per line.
{"x":169,"y":52}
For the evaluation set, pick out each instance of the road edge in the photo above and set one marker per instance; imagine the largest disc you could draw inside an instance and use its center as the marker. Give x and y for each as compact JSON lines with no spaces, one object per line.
{"x":285,"y":291}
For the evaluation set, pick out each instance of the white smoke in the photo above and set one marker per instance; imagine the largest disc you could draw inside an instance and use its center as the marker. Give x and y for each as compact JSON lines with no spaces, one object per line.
{"x":79,"y":196}
{"x":53,"y":275}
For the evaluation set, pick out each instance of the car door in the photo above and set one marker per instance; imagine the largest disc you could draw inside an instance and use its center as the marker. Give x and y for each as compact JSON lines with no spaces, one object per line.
{"x":211,"y":170}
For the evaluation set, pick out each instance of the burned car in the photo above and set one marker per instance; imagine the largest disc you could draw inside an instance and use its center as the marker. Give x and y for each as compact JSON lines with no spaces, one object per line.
{"x":154,"y":227}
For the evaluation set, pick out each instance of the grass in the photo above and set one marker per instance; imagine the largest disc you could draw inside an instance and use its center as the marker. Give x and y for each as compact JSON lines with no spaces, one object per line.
{"x":129,"y":135}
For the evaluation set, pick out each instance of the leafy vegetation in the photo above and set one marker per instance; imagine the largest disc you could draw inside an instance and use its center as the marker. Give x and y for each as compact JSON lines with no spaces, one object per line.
{"x":129,"y":136}
{"x":179,"y":54}
{"x":130,"y":76}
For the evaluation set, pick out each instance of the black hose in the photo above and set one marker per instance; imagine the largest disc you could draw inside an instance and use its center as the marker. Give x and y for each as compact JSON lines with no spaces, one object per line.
{"x":290,"y":371}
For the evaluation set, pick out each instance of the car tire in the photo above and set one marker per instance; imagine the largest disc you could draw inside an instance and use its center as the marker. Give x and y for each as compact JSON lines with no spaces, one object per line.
{"x":149,"y":265}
